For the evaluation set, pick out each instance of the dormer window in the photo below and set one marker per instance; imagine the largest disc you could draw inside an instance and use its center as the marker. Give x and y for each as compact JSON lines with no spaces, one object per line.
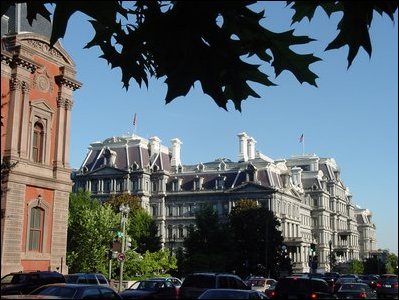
{"x":175,"y":185}
{"x":220,"y":182}
{"x":197,"y":183}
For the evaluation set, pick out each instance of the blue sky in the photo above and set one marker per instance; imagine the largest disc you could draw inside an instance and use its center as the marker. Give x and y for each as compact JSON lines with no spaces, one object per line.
{"x":351,"y":116}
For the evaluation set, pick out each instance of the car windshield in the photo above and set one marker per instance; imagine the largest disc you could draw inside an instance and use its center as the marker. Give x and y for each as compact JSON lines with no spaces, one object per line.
{"x":60,"y":291}
{"x":18,"y":278}
{"x":7,"y":279}
{"x":293,"y":284}
{"x":257,"y":282}
{"x":223,"y":294}
{"x":71,"y":278}
{"x":200,"y":281}
{"x":149,"y":285}
{"x":353,"y":287}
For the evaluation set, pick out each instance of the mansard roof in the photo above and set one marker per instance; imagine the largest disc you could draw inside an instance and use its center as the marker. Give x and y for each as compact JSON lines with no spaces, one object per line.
{"x":129,"y":151}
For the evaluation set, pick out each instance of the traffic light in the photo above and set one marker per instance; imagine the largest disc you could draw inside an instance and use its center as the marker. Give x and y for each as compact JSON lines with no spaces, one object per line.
{"x":128,"y":243}
{"x":119,"y":234}
{"x":313,"y":247}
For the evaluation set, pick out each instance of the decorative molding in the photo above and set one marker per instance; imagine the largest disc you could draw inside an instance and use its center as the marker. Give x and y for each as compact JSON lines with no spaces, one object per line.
{"x":67,"y":82}
{"x":24,"y":63}
{"x":15,"y":83}
{"x":42,"y":80}
{"x":68,"y":104}
{"x":61,"y":102}
{"x":45,"y":48}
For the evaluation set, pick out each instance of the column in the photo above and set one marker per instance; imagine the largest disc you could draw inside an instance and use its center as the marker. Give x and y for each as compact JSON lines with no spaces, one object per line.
{"x":67,"y":126}
{"x":23,"y":143}
{"x":59,"y":142}
{"x":14,"y":110}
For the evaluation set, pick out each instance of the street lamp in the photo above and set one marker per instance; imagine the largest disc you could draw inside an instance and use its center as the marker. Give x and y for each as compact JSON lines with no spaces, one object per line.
{"x":124,"y":210}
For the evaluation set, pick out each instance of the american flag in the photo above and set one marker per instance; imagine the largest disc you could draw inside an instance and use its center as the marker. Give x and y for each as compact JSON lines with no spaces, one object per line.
{"x":301,"y":138}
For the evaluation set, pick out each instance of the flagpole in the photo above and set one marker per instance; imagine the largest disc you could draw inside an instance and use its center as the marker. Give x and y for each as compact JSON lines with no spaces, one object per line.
{"x":303,"y":146}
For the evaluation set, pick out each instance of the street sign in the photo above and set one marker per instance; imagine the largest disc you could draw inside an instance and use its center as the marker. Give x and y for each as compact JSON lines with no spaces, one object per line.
{"x":121,"y":257}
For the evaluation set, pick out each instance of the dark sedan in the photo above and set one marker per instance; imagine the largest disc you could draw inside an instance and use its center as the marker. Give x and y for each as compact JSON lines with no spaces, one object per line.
{"x":76,"y":291}
{"x":356,"y":291}
{"x":232,"y":294}
{"x":387,"y":286}
{"x":151,"y":289}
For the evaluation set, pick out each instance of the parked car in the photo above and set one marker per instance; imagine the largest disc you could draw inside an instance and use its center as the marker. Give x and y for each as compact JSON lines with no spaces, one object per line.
{"x":293,"y":287}
{"x":269,"y":292}
{"x":356,"y":291}
{"x":25,"y":282}
{"x":232,"y":294}
{"x":176,"y":281}
{"x":87,"y":278}
{"x":195,"y":284}
{"x":387,"y":286}
{"x":371,"y":280}
{"x":159,"y":288}
{"x":343,"y":280}
{"x":334,"y":275}
{"x":260,"y":283}
{"x":77,"y":291}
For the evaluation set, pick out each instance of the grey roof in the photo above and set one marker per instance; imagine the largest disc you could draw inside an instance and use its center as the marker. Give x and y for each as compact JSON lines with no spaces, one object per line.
{"x":17,"y":22}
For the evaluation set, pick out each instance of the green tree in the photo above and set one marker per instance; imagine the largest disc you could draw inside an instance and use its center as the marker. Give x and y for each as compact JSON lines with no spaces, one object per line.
{"x":257,"y":239}
{"x":208,"y":244}
{"x":356,"y":267}
{"x":89,"y":233}
{"x":189,"y":41}
{"x":391,"y":265}
{"x":141,"y":226}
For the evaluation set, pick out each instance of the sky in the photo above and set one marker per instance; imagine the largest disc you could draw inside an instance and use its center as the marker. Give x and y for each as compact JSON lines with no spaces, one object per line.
{"x":352,"y":116}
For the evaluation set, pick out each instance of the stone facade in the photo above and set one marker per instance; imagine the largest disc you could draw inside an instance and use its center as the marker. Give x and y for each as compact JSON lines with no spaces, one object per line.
{"x":37,"y":84}
{"x":305,"y":192}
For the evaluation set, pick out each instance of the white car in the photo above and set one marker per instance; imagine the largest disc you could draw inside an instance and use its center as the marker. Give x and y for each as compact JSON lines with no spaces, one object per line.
{"x":260,"y":283}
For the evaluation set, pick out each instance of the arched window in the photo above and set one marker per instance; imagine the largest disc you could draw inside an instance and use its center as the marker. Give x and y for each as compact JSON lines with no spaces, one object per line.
{"x":36,"y":229}
{"x":37,"y":144}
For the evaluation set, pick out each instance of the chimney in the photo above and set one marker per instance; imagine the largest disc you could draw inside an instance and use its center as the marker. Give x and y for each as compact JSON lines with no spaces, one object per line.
{"x":251,"y":147}
{"x":175,"y":161}
{"x":154,"y":145}
{"x":243,"y":147}
{"x":297,"y":176}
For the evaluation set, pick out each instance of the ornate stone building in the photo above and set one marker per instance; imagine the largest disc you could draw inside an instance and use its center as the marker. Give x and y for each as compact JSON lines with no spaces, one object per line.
{"x":305,"y":192}
{"x":37,"y":84}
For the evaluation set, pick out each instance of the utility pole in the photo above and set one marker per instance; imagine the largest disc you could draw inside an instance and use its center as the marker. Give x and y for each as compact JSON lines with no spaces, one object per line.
{"x":124,"y":209}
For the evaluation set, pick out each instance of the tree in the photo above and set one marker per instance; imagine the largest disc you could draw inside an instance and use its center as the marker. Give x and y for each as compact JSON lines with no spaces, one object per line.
{"x":208,"y":245}
{"x":206,"y":41}
{"x":89,"y":233}
{"x":392,"y":264}
{"x":356,"y":267}
{"x":257,"y":239}
{"x":141,"y":227}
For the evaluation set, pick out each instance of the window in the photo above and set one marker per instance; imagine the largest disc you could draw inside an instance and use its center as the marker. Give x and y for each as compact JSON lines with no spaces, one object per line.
{"x":36,"y":229}
{"x":37,"y":142}
{"x":120,"y":185}
{"x":94,"y":186}
{"x":154,"y":186}
{"x":170,"y":231}
{"x":135,"y":185}
{"x":107,"y":185}
{"x":180,"y":233}
{"x":154,"y":211}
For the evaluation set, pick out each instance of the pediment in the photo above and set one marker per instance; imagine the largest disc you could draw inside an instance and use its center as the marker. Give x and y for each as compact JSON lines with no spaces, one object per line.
{"x":107,"y":171}
{"x":42,"y":105}
{"x":251,"y":187}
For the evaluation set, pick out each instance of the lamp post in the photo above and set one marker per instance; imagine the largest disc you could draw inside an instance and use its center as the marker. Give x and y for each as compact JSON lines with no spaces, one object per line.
{"x":124,"y":209}
{"x":330,"y":245}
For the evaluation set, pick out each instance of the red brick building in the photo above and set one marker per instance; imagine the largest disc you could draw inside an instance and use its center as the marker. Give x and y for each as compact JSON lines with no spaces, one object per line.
{"x":37,"y":84}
